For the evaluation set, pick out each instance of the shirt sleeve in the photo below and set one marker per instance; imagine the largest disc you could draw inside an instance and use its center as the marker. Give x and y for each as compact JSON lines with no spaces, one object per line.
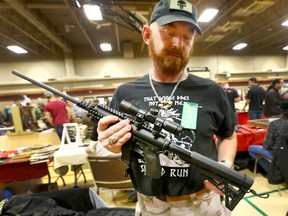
{"x":269,"y":140}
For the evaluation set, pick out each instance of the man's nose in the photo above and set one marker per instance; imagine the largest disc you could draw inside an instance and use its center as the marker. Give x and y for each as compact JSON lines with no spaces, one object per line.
{"x":177,"y":41}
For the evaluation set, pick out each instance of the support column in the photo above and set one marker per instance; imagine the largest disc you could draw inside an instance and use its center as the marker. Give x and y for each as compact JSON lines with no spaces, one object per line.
{"x":69,"y":65}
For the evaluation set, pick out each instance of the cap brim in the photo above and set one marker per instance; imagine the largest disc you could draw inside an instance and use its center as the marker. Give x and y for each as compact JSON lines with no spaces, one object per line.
{"x":174,"y":18}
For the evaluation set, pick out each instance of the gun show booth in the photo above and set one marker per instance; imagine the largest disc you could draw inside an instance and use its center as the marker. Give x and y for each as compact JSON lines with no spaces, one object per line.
{"x":29,"y":153}
{"x":21,"y":141}
{"x":65,"y":48}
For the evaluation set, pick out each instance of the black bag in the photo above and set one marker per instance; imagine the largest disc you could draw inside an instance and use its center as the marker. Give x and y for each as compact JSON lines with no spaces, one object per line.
{"x":111,"y":212}
{"x":278,"y":172}
{"x":29,"y":205}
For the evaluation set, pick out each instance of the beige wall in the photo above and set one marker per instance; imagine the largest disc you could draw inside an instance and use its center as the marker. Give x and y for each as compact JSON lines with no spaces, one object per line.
{"x":40,"y":70}
{"x":113,"y":72}
{"x":91,"y":69}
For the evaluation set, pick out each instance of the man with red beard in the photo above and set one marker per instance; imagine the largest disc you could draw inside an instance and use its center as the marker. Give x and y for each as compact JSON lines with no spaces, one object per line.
{"x":181,"y":189}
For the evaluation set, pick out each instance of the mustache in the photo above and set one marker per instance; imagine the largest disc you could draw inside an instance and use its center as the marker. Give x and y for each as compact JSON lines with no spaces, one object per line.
{"x":176,"y":52}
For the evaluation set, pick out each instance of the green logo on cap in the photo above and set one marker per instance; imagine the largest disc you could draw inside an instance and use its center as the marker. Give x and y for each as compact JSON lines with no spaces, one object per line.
{"x":181,"y":5}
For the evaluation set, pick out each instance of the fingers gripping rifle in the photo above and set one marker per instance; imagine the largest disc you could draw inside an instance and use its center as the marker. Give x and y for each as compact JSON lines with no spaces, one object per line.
{"x":152,"y":141}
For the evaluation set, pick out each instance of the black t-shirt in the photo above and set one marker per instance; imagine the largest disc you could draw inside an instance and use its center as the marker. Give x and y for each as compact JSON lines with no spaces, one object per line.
{"x":256,"y":94}
{"x":215,"y":117}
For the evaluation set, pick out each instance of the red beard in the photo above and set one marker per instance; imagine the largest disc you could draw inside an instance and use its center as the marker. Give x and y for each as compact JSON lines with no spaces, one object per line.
{"x":169,"y":61}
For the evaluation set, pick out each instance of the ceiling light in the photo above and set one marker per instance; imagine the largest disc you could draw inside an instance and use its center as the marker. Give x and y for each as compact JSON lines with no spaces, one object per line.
{"x":285,"y":48}
{"x":285,"y":23}
{"x":208,"y":15}
{"x":105,"y":47}
{"x":93,"y":12}
{"x":17,"y":49}
{"x":239,"y":46}
{"x":76,"y":3}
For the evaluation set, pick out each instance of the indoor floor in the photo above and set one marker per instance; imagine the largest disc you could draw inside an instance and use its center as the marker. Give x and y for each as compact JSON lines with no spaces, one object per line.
{"x":250,"y":205}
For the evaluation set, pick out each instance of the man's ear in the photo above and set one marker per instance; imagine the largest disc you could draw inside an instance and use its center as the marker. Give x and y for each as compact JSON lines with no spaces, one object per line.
{"x":146,"y":34}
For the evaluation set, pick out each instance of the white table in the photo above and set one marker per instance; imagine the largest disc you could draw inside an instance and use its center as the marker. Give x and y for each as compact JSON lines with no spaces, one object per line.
{"x":71,"y":155}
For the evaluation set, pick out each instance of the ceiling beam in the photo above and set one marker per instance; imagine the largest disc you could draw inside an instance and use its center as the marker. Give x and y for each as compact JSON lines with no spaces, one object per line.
{"x":262,"y":26}
{"x":80,"y":25}
{"x":232,"y":7}
{"x":9,"y":40}
{"x":272,"y":42}
{"x":25,"y":28}
{"x":41,"y":23}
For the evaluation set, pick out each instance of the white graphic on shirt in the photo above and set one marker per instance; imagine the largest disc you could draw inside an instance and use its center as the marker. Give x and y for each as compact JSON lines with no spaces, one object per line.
{"x":178,"y":167}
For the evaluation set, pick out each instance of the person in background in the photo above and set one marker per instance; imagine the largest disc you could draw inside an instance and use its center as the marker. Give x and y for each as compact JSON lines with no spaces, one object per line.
{"x":178,"y":95}
{"x":255,"y":98}
{"x":106,"y":101}
{"x":2,"y":121}
{"x":8,"y":116}
{"x":233,"y":97}
{"x":277,"y":129}
{"x":41,"y":105}
{"x":95,"y":102}
{"x":57,"y":112}
{"x":273,"y":98}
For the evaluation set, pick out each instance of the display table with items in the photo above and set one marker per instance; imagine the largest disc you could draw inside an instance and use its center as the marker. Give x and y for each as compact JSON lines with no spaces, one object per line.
{"x":13,"y":142}
{"x":22,"y":170}
{"x":264,"y":123}
{"x":249,"y":135}
{"x":26,"y":163}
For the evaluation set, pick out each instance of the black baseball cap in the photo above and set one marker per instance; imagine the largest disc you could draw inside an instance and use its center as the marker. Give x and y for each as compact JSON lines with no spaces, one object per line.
{"x":168,"y":11}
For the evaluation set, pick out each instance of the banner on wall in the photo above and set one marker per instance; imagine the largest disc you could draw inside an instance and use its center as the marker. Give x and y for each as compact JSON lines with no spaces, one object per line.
{"x":203,"y":72}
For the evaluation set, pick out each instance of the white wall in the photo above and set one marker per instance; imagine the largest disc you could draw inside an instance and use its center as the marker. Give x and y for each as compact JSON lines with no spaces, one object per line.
{"x":44,"y":70}
{"x":251,"y":63}
{"x":122,"y":68}
{"x":40,"y":70}
{"x":112,"y":67}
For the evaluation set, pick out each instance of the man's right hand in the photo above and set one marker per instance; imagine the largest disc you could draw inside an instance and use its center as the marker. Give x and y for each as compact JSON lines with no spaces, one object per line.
{"x":113,"y":133}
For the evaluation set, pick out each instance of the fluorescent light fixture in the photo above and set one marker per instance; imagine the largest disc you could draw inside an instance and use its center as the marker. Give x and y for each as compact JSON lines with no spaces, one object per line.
{"x":285,"y":48}
{"x":17,"y":49}
{"x":208,"y":15}
{"x":76,"y":3}
{"x":285,"y":23}
{"x":239,"y":46}
{"x":105,"y":47}
{"x":93,"y":12}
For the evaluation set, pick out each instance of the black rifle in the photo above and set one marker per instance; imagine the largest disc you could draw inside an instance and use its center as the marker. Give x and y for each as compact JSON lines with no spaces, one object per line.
{"x":152,"y":141}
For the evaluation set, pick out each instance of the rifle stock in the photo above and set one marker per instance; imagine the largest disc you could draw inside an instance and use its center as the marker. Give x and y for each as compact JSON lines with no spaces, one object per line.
{"x":235,"y":184}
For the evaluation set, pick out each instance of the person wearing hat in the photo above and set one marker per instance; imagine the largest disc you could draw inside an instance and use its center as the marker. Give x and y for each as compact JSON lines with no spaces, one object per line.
{"x":57,"y":112}
{"x":181,"y":189}
{"x":277,"y":129}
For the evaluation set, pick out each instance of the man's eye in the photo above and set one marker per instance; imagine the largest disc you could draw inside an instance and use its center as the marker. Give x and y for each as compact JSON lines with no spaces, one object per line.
{"x":169,"y":33}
